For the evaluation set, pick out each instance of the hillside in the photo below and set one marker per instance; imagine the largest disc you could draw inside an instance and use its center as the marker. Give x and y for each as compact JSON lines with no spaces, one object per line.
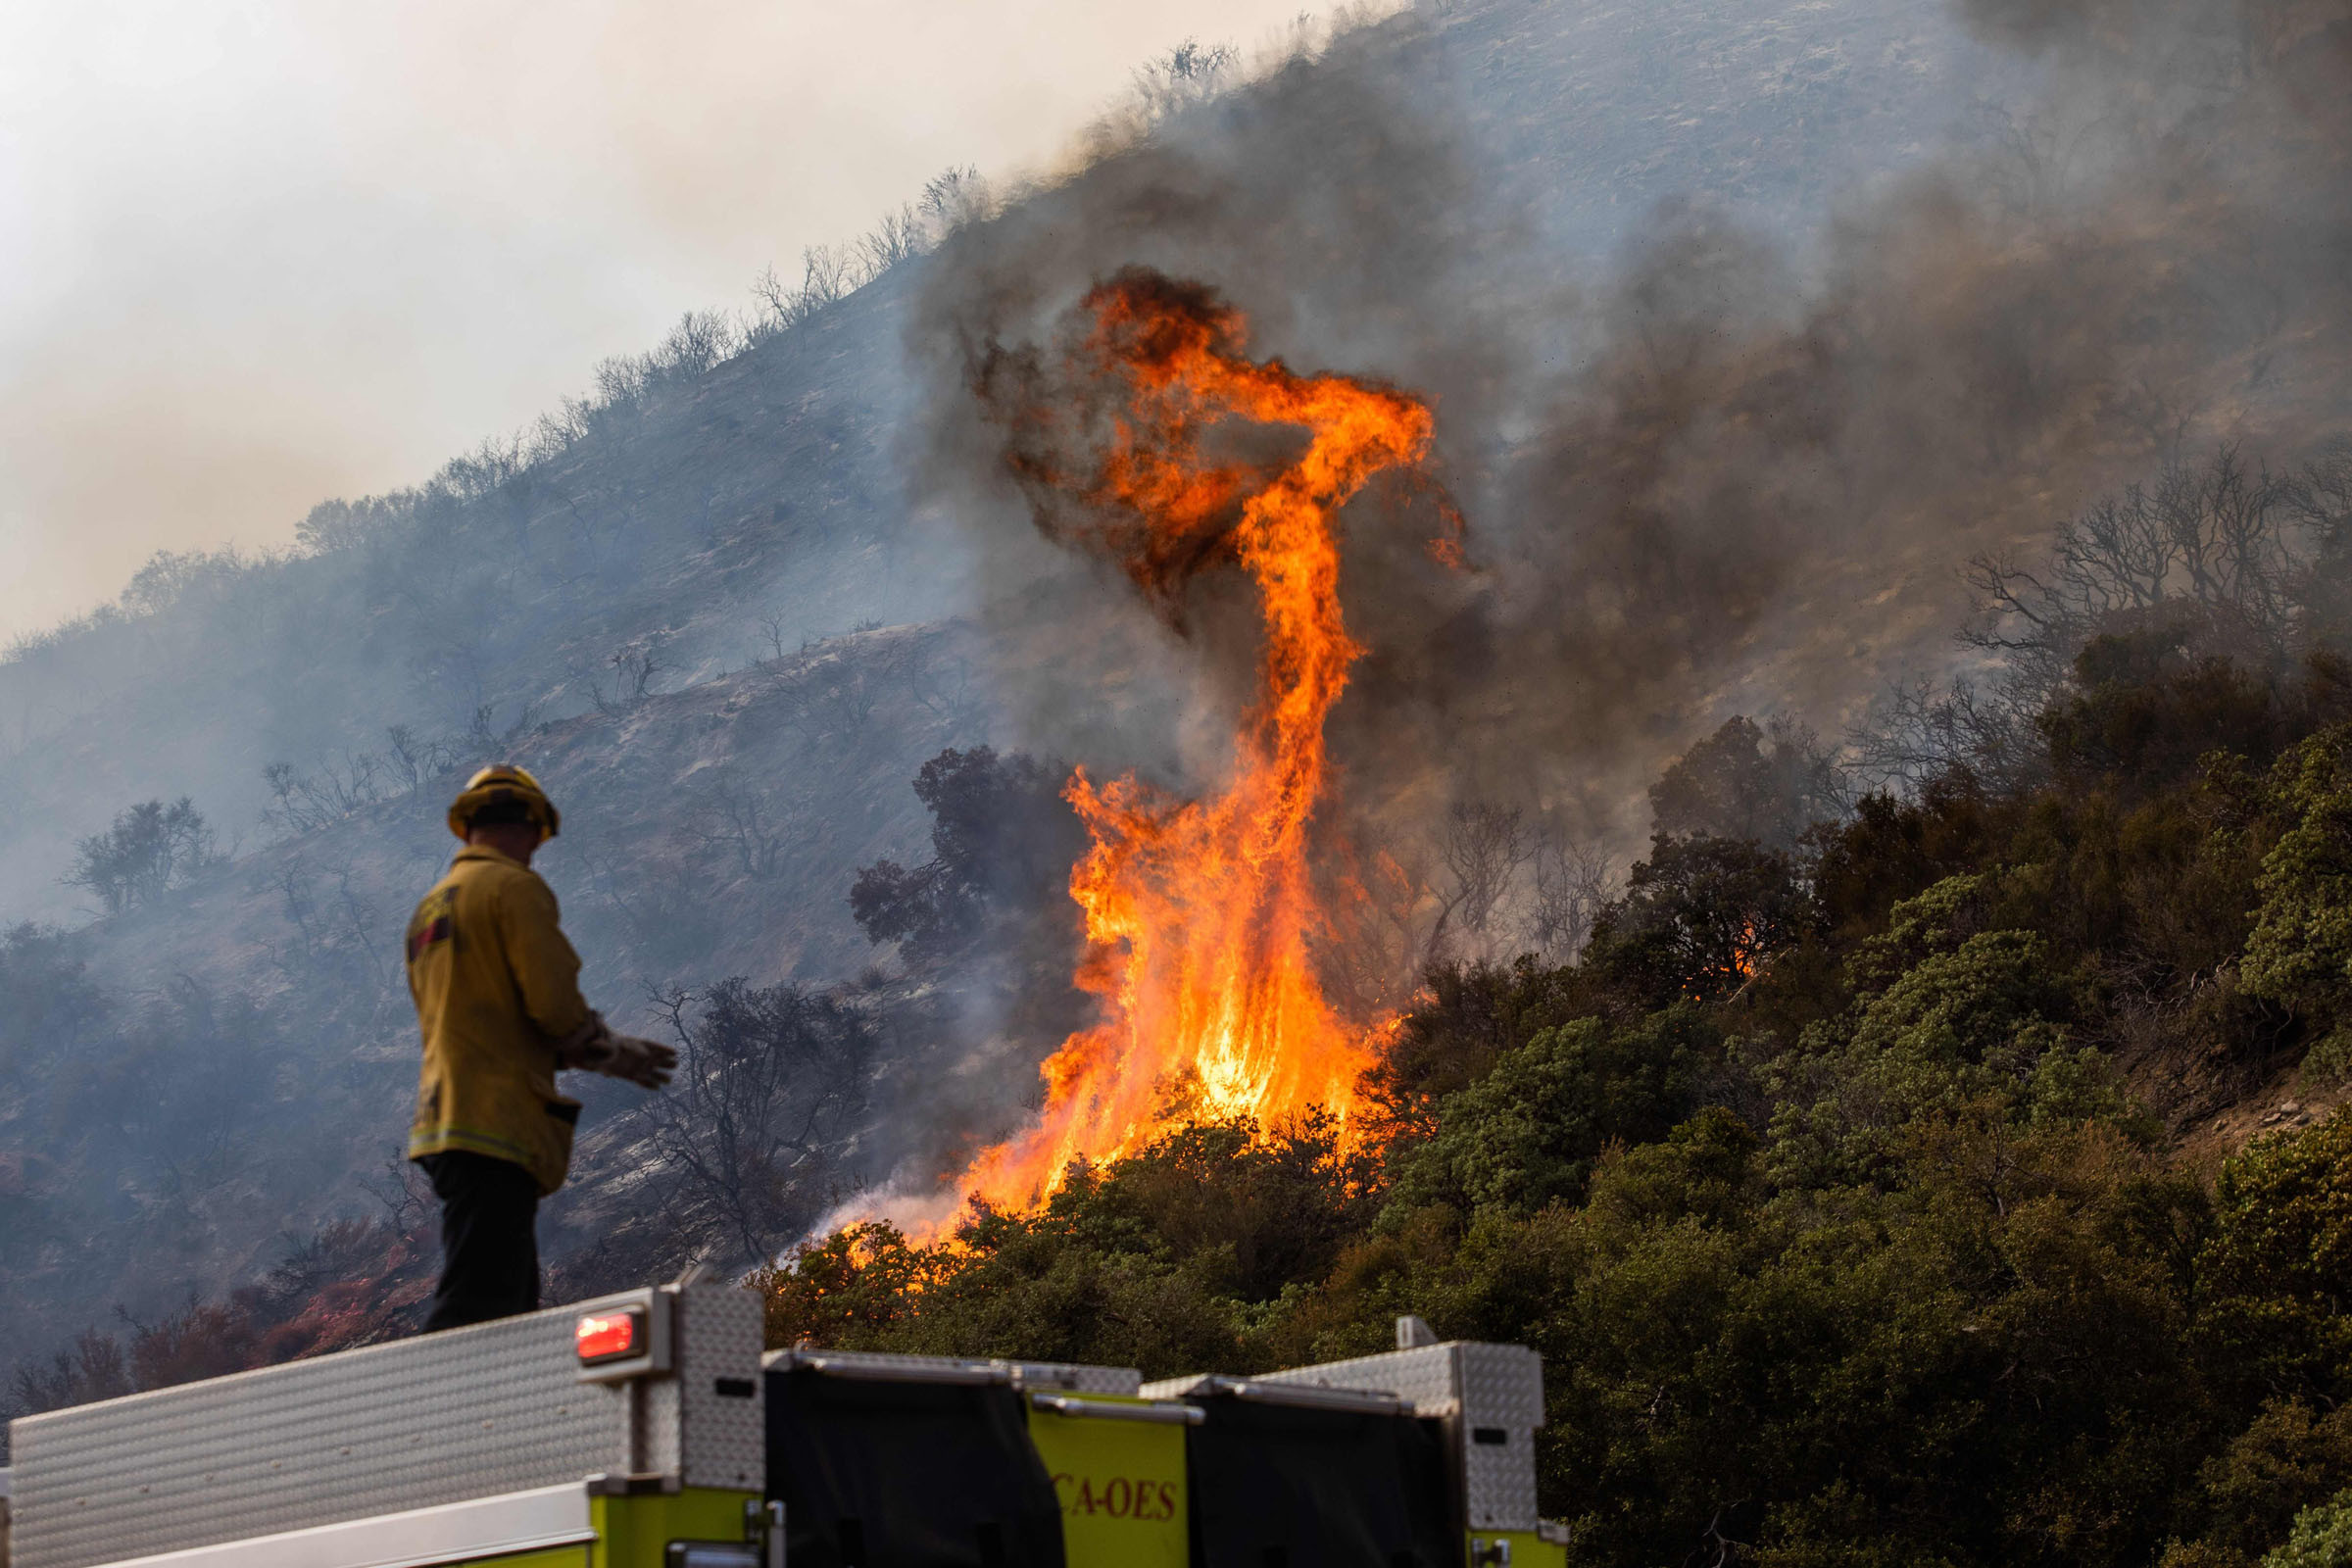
{"x":689,"y":529}
{"x":1745,"y":330}
{"x":694,"y":495}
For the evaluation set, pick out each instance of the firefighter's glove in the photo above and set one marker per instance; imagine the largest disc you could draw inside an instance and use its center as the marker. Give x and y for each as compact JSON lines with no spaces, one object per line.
{"x":647,"y":1063}
{"x":595,"y":1048}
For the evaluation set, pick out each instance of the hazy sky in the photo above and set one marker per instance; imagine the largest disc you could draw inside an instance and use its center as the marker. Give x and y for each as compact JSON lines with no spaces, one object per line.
{"x":254,"y":252}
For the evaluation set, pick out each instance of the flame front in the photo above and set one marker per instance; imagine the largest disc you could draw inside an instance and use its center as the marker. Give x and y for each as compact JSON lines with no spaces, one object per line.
{"x":1198,"y":913}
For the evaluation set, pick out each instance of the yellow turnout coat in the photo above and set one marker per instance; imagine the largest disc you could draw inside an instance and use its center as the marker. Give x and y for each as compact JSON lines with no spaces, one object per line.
{"x":496,"y":987}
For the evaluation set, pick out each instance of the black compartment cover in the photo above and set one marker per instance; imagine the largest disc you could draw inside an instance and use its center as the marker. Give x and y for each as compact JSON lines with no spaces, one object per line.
{"x":907,"y":1475}
{"x":1277,"y":1485}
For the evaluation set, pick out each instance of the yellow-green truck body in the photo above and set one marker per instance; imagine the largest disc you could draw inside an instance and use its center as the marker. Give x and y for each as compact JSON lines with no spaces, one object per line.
{"x":678,"y":1445}
{"x":1117,"y":1465}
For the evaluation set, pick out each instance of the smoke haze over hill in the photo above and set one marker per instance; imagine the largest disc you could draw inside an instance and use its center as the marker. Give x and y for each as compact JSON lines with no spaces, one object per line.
{"x":1744,"y":327}
{"x":1725,"y":470}
{"x":274,"y":253}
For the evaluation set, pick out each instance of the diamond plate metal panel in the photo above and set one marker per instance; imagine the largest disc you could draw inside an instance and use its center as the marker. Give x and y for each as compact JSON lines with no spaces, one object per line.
{"x":723,"y":1429}
{"x":1502,"y":1384}
{"x":1427,"y":1376}
{"x":660,"y":1427}
{"x":1503,"y":1389}
{"x":1494,"y":1389}
{"x":443,"y":1418}
{"x":1182,"y":1388}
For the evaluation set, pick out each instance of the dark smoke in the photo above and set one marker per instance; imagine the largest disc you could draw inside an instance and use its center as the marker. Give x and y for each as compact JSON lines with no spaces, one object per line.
{"x":1353,"y":257}
{"x":1750,"y":488}
{"x":1059,"y":409}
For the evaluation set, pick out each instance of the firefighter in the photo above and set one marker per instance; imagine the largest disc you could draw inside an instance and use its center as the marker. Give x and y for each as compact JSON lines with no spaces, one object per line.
{"x":498,"y":999}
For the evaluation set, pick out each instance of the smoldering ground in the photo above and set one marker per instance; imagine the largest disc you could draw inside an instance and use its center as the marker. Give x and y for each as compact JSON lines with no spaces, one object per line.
{"x":1749,"y":486}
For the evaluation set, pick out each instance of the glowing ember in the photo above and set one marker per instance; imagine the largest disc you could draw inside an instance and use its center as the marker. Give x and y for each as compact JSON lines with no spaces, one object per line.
{"x":1197,"y":911}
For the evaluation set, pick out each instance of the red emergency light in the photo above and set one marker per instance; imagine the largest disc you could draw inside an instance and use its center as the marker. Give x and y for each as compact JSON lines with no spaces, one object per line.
{"x":610,"y":1336}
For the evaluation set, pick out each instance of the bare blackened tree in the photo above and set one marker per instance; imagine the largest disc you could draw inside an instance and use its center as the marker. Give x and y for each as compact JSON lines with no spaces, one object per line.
{"x":1572,"y":884}
{"x":91,"y":1368}
{"x":898,"y":237}
{"x":827,"y":273}
{"x":2321,"y":494}
{"x":412,"y":760}
{"x":2223,"y":561}
{"x":831,"y":272}
{"x":946,"y":689}
{"x":2321,"y":499}
{"x":772,"y":629}
{"x":1191,"y":72}
{"x":745,"y":824}
{"x":628,"y":383}
{"x":636,"y":665}
{"x":666,"y":909}
{"x":1483,"y":847}
{"x":500,"y":471}
{"x":771,"y":1082}
{"x":953,"y":198}
{"x":1917,"y":731}
{"x":937,"y":677}
{"x":486,"y":740}
{"x":828,"y":696}
{"x":700,"y":340}
{"x":1382,"y":902}
{"x":303,"y":802}
{"x":2221,"y":538}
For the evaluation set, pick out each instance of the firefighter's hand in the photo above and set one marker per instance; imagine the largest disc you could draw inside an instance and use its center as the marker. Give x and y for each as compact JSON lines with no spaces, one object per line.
{"x":647,"y":1063}
{"x":595,"y":1048}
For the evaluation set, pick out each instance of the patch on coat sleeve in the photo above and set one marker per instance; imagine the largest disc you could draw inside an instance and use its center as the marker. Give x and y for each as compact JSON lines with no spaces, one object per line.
{"x":431,"y":925}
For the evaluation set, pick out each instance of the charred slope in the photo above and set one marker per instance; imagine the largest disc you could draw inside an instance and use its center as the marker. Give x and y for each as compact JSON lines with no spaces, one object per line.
{"x":194,"y":1081}
{"x":696,"y":509}
{"x":1722,"y":451}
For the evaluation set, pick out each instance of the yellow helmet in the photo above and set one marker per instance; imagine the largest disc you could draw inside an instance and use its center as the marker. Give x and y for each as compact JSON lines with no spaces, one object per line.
{"x":504,"y":784}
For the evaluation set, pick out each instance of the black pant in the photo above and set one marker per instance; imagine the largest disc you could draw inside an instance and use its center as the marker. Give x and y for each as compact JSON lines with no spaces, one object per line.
{"x":489,"y":1239}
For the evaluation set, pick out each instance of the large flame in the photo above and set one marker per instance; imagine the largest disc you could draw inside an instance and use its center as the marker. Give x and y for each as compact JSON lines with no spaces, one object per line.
{"x":1198,"y":912}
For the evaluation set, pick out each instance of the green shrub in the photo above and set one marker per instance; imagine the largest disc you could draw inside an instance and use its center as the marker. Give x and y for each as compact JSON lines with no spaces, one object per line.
{"x":2321,"y":1539}
{"x":2300,"y":951}
{"x":2275,"y":1278}
{"x":1529,"y":1132}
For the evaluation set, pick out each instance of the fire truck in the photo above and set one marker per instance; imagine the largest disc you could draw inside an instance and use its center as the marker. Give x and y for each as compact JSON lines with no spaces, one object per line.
{"x":648,"y":1430}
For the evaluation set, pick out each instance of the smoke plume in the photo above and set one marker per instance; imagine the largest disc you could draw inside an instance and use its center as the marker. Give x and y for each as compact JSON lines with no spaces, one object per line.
{"x":1749,"y":486}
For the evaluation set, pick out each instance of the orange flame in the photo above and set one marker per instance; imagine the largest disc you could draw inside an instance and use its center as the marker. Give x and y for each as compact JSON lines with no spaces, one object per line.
{"x":1198,"y":912}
